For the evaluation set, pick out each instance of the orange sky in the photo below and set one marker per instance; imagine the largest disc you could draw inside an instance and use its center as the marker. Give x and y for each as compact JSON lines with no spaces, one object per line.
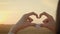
{"x":12,"y":10}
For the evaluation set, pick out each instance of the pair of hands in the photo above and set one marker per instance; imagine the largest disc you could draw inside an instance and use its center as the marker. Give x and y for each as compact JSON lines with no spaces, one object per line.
{"x":25,"y":21}
{"x":49,"y":22}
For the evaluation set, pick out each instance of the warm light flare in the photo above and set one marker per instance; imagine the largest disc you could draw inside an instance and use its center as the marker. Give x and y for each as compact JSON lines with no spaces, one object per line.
{"x":2,"y":18}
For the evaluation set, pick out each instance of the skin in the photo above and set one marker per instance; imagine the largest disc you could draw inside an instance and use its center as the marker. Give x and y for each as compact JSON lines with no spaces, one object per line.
{"x":24,"y":22}
{"x":49,"y":22}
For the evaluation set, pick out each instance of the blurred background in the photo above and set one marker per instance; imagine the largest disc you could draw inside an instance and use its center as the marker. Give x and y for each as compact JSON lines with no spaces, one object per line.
{"x":12,"y":10}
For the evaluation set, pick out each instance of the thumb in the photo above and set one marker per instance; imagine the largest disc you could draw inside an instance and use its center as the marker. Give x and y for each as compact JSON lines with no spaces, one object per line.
{"x":43,"y":25}
{"x":32,"y":24}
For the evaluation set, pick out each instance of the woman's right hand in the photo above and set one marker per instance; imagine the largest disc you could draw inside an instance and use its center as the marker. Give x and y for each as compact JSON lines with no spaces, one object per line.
{"x":49,"y":22}
{"x":24,"y":22}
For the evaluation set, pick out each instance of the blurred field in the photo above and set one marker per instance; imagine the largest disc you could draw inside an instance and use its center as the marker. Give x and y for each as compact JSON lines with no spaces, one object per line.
{"x":30,"y":30}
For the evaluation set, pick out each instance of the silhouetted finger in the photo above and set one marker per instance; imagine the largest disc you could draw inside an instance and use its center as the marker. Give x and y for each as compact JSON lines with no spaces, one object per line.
{"x":43,"y":25}
{"x":29,"y":19}
{"x":46,"y":14}
{"x":46,"y":21}
{"x":32,"y":13}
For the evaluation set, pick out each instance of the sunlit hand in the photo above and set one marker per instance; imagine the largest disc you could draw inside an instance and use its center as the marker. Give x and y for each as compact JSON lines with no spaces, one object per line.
{"x":24,"y":22}
{"x":49,"y":22}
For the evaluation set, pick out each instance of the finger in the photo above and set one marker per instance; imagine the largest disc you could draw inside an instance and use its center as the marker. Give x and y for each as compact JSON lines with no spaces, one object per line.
{"x":46,"y":14}
{"x":46,"y":21}
{"x":32,"y":13}
{"x":29,"y":19}
{"x":32,"y":24}
{"x":43,"y":25}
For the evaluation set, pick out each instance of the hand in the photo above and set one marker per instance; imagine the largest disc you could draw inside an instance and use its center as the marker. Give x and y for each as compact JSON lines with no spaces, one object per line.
{"x":24,"y":22}
{"x":27,"y":19}
{"x":49,"y":22}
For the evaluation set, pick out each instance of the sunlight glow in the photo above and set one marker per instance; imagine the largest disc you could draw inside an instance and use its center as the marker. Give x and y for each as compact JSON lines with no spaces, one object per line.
{"x":12,"y":10}
{"x":2,"y":18}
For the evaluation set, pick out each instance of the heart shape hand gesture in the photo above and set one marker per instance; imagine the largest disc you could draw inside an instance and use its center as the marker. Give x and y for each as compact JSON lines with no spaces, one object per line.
{"x":25,"y":21}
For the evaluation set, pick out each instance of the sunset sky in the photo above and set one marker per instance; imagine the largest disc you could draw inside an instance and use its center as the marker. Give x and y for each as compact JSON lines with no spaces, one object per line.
{"x":12,"y":10}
